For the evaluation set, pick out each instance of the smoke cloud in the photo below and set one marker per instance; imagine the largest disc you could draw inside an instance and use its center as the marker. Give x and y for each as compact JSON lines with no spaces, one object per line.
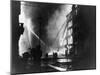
{"x":42,"y":22}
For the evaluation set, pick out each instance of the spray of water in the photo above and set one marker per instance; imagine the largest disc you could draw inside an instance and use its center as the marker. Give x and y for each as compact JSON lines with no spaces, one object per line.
{"x":55,"y":28}
{"x":57,"y":33}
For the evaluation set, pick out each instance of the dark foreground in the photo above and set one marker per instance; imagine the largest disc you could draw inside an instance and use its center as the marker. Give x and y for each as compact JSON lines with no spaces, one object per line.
{"x":51,"y":65}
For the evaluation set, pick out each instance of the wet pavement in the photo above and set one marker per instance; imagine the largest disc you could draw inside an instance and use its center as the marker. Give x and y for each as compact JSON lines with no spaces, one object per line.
{"x":51,"y":65}
{"x":44,"y":65}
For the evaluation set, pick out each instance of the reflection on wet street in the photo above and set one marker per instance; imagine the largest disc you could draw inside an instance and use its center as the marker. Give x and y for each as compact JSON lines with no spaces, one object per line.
{"x":52,"y":65}
{"x":44,"y":65}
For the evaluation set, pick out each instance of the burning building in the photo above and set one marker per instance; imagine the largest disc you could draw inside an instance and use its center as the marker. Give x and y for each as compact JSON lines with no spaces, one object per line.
{"x":52,"y":37}
{"x":49,"y":25}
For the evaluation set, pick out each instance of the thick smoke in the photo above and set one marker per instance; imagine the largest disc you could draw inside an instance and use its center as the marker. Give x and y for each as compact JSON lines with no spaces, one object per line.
{"x":42,"y":22}
{"x":55,"y":24}
{"x":55,"y":29}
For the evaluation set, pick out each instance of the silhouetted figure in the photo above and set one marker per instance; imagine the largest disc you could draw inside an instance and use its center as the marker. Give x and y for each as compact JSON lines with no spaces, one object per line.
{"x":32,"y":51}
{"x":46,"y":55}
{"x":66,"y":53}
{"x":54,"y":55}
{"x":36,"y":53}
